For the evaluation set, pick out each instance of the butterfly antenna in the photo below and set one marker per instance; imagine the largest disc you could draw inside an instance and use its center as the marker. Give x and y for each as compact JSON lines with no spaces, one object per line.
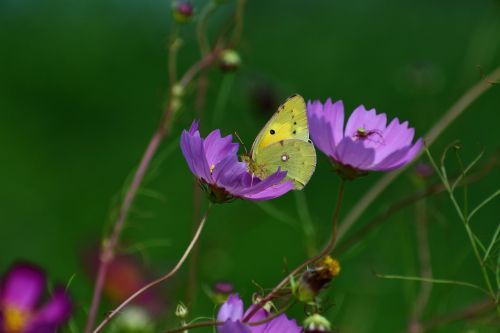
{"x":241,"y":141}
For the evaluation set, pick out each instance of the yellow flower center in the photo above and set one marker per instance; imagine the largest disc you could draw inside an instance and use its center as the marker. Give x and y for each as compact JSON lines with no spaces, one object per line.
{"x":14,"y":319}
{"x":328,"y":267}
{"x":212,"y":167}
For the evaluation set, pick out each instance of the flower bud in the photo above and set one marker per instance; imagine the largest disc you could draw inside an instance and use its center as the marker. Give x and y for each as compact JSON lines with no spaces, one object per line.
{"x":423,"y":170}
{"x":315,"y":279}
{"x":177,"y":90}
{"x":229,"y":60}
{"x":220,"y":291}
{"x":133,"y":319}
{"x":181,"y":311}
{"x":182,"y":11}
{"x":316,"y":324}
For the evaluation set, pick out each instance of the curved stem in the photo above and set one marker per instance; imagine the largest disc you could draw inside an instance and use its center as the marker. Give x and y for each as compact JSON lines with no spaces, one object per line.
{"x":219,"y":323}
{"x":110,"y":243}
{"x":195,"y":325}
{"x":453,"y":112}
{"x":159,"y":280}
{"x":326,"y":250}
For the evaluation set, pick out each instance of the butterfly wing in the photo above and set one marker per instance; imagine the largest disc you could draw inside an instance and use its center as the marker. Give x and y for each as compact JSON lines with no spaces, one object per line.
{"x":295,"y":156}
{"x":289,"y":122}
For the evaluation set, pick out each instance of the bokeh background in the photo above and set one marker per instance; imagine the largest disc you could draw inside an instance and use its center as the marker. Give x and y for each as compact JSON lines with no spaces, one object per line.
{"x":82,"y":86}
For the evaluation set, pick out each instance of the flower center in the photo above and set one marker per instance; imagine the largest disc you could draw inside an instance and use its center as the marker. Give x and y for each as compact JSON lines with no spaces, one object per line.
{"x":14,"y":319}
{"x":212,"y":167}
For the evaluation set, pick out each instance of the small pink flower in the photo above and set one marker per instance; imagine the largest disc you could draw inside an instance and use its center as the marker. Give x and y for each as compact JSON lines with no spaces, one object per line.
{"x":21,"y":291}
{"x":231,"y":313}
{"x":366,"y":143}
{"x":214,"y":162}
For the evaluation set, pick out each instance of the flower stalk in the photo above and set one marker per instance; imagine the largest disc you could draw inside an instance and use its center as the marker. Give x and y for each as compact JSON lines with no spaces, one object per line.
{"x":110,"y":243}
{"x":161,"y":279}
{"x":326,"y":250}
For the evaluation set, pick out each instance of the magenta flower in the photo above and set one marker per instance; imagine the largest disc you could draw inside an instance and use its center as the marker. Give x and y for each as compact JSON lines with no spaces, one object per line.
{"x":215,"y":163}
{"x":366,"y":143}
{"x":231,"y":313}
{"x":20,"y":294}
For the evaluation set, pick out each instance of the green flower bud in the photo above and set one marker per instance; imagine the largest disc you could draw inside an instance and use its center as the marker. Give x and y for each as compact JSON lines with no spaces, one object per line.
{"x":133,"y":319}
{"x":182,"y":11}
{"x":229,"y":60}
{"x":181,"y":311}
{"x":316,"y":323}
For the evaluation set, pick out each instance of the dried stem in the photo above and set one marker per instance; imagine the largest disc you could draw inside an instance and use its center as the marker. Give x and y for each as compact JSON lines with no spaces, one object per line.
{"x":456,"y":110}
{"x":110,"y":243}
{"x":326,"y":250}
{"x":163,"y":278}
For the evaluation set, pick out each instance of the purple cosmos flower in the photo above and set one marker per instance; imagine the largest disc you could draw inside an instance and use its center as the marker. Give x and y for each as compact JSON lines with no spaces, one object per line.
{"x":215,"y":163}
{"x":231,"y":313}
{"x":20,"y":294}
{"x":366,"y":143}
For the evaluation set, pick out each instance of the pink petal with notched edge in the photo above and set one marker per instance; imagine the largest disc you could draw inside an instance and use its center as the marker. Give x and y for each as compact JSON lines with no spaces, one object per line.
{"x":22,"y":286}
{"x":271,"y":192}
{"x":232,"y":309}
{"x":260,"y":315}
{"x":400,"y":157}
{"x":384,"y":148}
{"x":354,"y":153}
{"x":52,"y":315}
{"x":218,"y":148}
{"x":234,"y":327}
{"x":271,"y":180}
{"x":200,"y":163}
{"x":282,"y":324}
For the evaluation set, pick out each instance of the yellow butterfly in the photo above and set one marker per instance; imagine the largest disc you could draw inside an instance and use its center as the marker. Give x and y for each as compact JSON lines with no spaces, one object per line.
{"x":284,"y":143}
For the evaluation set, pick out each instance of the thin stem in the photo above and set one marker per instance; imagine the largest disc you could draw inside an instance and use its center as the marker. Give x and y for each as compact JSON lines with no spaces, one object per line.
{"x":425,"y":266}
{"x":109,"y":244}
{"x":465,"y":221}
{"x":222,"y":98}
{"x":437,"y":281}
{"x":326,"y":250}
{"x":274,"y":315}
{"x":397,"y":206}
{"x":108,"y":249}
{"x":196,"y":325}
{"x":456,"y":110}
{"x":238,"y":19}
{"x":306,"y":222}
{"x":163,"y":278}
{"x":472,"y":311}
{"x":219,"y":323}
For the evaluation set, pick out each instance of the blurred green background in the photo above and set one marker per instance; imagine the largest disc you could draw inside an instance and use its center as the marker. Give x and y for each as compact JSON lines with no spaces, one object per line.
{"x":82,"y":86}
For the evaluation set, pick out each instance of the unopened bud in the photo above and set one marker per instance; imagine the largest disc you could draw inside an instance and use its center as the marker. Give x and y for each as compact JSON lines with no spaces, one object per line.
{"x":221,"y":291}
{"x":132,"y":320}
{"x":181,"y":311}
{"x":177,"y":90}
{"x":229,"y":60}
{"x":182,"y":11}
{"x":316,"y":324}
{"x":423,"y":170}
